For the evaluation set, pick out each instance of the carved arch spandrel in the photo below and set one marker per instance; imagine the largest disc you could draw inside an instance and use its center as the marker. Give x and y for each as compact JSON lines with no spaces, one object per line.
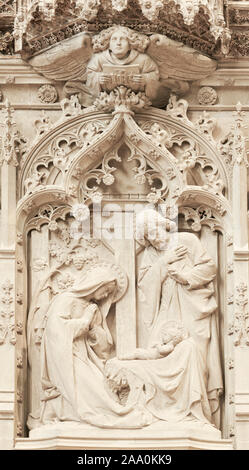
{"x":185,"y":129}
{"x":64,"y":149}
{"x":161,"y":159}
{"x":75,"y":133}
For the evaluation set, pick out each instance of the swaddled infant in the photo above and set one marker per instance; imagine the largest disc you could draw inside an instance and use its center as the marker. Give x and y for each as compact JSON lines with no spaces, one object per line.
{"x":172,"y":334}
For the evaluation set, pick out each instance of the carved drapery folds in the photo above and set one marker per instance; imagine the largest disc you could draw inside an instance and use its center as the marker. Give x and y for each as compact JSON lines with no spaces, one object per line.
{"x":121,"y":149}
{"x":79,"y":160}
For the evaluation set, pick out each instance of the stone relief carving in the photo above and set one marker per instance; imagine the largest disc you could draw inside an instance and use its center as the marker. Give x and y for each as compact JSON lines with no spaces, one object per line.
{"x":47,"y":94}
{"x":130,"y":389}
{"x":13,"y":145}
{"x":199,"y":23}
{"x":42,"y":124}
{"x":168,"y":159}
{"x":190,"y":157}
{"x":240,"y":327}
{"x":7,"y":321}
{"x":119,"y":56}
{"x":83,"y":322}
{"x":7,"y":43}
{"x":207,"y":95}
{"x":121,"y":99}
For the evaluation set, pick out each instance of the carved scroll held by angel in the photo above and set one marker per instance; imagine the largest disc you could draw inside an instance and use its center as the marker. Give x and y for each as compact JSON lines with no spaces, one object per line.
{"x":119,"y":56}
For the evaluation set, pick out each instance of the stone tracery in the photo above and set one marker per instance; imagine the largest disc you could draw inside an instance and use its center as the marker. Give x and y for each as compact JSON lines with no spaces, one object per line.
{"x":119,"y":150}
{"x":79,"y":166}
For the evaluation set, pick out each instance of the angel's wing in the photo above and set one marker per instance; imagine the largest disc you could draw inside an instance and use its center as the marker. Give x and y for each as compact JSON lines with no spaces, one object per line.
{"x":66,"y":60}
{"x":177,"y":61}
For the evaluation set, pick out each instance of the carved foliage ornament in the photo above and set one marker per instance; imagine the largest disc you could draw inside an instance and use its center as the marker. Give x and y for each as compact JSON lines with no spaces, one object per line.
{"x":6,"y":43}
{"x":7,"y":324}
{"x":190,"y":157}
{"x":232,"y":147}
{"x":13,"y":145}
{"x":194,"y":219}
{"x":240,"y":326}
{"x":59,"y":150}
{"x":42,"y":124}
{"x":7,"y":7}
{"x":239,"y":45}
{"x":121,"y":99}
{"x":198,"y":22}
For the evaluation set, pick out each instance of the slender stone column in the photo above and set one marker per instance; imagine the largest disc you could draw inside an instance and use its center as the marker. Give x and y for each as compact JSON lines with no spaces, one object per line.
{"x":240,"y":325}
{"x":124,"y":246}
{"x":8,"y":162}
{"x":126,"y":307}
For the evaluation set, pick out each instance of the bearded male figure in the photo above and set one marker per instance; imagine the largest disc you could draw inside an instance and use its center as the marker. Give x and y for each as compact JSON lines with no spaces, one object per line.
{"x":182,"y":275}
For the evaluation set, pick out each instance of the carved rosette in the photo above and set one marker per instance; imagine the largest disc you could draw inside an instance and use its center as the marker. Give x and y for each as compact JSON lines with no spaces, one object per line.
{"x":47,"y":94}
{"x":207,"y":96}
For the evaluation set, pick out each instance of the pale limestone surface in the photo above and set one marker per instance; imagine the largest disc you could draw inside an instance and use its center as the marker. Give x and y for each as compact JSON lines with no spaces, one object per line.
{"x":121,"y":297}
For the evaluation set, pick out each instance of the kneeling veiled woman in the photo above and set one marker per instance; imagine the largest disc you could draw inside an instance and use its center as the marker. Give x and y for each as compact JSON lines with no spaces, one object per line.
{"x":75,"y":345}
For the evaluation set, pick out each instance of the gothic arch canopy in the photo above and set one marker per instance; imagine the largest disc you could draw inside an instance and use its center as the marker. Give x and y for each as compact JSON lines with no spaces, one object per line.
{"x":160,"y":143}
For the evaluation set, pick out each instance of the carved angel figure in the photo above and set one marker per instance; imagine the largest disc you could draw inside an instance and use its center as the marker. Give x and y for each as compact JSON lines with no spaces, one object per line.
{"x":120,"y":56}
{"x":121,"y":61}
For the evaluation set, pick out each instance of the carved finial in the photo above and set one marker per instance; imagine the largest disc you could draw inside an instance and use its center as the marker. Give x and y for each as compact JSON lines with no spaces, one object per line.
{"x":177,"y":108}
{"x":225,"y":38}
{"x":42,"y":124}
{"x":239,"y":150}
{"x":70,"y":107}
{"x":13,"y":145}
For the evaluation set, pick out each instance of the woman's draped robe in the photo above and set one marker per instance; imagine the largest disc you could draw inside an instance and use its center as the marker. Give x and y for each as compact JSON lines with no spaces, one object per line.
{"x":73,"y":381}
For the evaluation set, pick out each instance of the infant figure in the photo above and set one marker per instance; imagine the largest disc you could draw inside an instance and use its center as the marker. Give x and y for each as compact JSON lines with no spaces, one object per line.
{"x":172,"y":334}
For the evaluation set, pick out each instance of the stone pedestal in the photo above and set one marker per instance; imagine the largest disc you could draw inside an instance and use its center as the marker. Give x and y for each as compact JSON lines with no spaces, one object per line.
{"x":157,"y":436}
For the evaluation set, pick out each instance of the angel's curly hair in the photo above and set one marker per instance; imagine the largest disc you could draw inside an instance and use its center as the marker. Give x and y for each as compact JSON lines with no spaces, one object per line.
{"x":136,"y":40}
